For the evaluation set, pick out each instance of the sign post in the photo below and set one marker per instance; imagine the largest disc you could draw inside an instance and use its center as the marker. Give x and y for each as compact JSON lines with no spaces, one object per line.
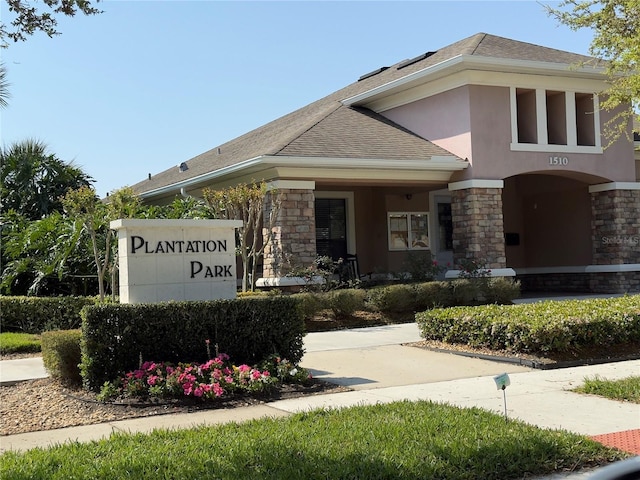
{"x":502,"y":382}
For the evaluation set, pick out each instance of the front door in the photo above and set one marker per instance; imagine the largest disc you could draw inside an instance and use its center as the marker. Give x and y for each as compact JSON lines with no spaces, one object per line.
{"x":331,"y":227}
{"x":444,"y":233}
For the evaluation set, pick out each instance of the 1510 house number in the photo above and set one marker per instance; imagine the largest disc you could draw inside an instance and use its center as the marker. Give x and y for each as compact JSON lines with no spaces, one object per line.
{"x":558,"y":161}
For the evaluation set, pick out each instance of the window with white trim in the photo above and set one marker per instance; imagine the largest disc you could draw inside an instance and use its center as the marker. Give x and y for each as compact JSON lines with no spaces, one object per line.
{"x":553,"y":120}
{"x":408,"y":230}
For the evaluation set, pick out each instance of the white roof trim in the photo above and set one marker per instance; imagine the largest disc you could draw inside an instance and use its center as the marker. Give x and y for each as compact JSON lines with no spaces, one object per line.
{"x":466,"y":62}
{"x":605,"y":187}
{"x":476,"y":183}
{"x":435,"y":163}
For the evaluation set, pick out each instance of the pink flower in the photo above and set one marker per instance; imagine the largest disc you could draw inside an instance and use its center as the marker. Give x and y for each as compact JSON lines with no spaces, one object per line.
{"x":187,"y":388}
{"x":198,"y":391}
{"x":244,"y":368}
{"x":255,"y":375}
{"x":228,"y":379}
{"x":218,"y":390}
{"x":152,"y":380}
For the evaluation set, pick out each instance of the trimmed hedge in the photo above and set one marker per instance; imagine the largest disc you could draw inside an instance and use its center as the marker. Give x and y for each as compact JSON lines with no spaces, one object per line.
{"x":117,"y":337}
{"x":551,"y":326}
{"x":61,"y":355}
{"x":40,"y":314}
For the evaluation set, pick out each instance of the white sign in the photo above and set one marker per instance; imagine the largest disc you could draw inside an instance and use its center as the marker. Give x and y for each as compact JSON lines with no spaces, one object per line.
{"x":162,"y":260}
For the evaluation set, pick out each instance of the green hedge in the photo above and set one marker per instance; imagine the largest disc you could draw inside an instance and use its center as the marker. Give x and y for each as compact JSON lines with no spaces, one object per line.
{"x":116,"y":337}
{"x":61,"y":355}
{"x":551,"y":326}
{"x":40,"y":314}
{"x":420,"y":296}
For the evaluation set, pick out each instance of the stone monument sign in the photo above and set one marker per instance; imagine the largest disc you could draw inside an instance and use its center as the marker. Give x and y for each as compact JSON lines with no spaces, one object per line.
{"x":162,"y":260}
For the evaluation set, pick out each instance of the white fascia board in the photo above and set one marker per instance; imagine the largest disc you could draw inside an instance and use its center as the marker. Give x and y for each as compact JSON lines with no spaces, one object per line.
{"x":291,"y":185}
{"x":221,"y":172}
{"x":440,"y":162}
{"x":472,"y":62}
{"x":605,"y":187}
{"x":435,"y":163}
{"x":476,"y":183}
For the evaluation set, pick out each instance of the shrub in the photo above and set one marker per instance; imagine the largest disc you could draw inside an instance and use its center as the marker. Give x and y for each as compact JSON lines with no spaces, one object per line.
{"x":466,"y":291}
{"x":421,"y":266}
{"x":345,"y":302}
{"x":392,"y":298}
{"x":61,"y":355}
{"x":432,"y":295}
{"x":39,"y":314}
{"x":311,"y":303}
{"x":115,"y":337}
{"x":550,"y":326}
{"x":501,"y":290}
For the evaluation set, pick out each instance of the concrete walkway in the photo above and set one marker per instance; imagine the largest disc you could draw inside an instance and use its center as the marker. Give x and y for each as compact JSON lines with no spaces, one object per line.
{"x":379,"y":369}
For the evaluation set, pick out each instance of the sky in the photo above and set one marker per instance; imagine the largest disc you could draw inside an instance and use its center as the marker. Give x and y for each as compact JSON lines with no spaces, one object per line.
{"x":146,"y":85}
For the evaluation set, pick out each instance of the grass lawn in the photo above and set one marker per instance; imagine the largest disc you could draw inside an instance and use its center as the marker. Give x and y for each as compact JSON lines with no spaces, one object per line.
{"x":626,"y":389}
{"x":404,"y":440}
{"x":11,"y":342}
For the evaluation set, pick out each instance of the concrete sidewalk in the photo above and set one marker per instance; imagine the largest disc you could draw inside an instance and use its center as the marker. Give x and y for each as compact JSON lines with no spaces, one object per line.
{"x":379,"y":369}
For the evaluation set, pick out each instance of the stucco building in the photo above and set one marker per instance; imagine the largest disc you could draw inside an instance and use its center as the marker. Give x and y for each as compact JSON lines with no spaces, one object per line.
{"x":488,"y":148}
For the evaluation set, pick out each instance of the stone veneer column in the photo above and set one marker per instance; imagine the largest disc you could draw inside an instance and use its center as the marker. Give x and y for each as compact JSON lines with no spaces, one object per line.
{"x":615,"y":223}
{"x":615,"y":237}
{"x":294,"y":234}
{"x":478,"y":231}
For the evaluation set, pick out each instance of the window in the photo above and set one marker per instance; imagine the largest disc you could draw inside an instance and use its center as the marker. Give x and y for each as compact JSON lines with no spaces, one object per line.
{"x":554,"y":121}
{"x":408,"y":231}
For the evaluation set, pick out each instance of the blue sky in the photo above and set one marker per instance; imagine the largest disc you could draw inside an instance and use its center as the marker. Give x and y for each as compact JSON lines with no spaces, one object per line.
{"x":149,"y":84}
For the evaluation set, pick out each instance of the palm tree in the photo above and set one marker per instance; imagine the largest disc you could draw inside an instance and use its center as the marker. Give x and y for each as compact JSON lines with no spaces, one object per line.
{"x":33,"y":180}
{"x":4,"y":87}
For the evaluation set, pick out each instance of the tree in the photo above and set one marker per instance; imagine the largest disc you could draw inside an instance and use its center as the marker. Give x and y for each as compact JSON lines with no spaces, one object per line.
{"x":37,"y":256}
{"x":89,"y":213}
{"x":246,"y":203}
{"x":4,"y":87}
{"x":616,"y":26}
{"x":29,"y":20}
{"x":33,"y":180}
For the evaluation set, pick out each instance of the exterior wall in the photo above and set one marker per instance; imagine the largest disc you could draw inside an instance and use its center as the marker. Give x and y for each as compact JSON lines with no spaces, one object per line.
{"x":294,"y":236}
{"x":478,"y":231}
{"x":552,"y":216}
{"x":474,"y":122}
{"x":493,"y":158}
{"x":444,"y":119}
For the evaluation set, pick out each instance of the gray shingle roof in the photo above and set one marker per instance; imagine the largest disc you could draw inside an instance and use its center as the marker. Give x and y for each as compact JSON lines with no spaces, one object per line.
{"x":326,"y":128}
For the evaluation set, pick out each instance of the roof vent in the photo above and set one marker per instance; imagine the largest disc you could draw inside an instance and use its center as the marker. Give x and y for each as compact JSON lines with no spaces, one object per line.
{"x":149,"y":176}
{"x":371,"y":74}
{"x":183,"y":167}
{"x":413,"y":60}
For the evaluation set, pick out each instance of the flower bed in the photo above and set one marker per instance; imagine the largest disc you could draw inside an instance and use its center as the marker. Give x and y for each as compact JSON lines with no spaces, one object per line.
{"x":213,"y":379}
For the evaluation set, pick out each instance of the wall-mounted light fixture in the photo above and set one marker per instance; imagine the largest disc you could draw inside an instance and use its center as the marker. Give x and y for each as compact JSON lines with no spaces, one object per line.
{"x":408,"y":196}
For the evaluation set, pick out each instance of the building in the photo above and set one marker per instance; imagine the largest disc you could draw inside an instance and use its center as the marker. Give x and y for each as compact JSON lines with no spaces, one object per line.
{"x":488,"y":148}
